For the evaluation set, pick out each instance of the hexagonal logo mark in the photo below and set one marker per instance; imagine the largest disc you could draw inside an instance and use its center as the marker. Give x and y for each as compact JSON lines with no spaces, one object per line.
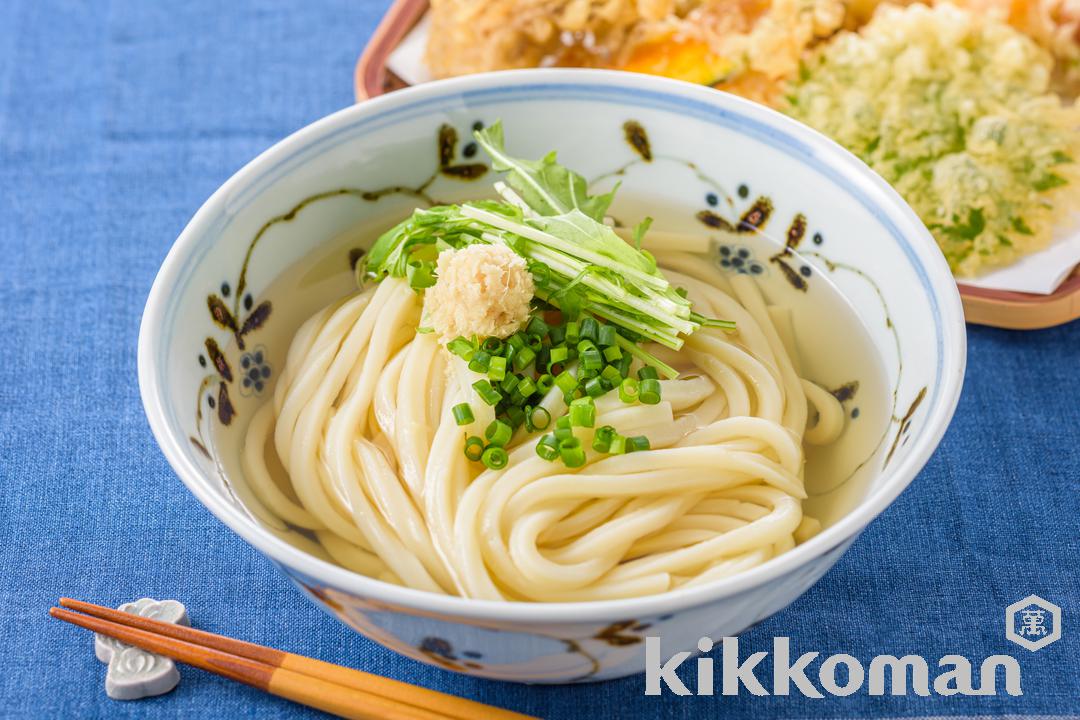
{"x":1033,"y":622}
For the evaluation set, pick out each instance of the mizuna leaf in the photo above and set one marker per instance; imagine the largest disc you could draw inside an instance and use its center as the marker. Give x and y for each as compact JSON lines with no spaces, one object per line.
{"x":639,"y":231}
{"x":545,"y":185}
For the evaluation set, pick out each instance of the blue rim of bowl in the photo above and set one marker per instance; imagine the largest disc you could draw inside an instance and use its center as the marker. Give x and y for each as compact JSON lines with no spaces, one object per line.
{"x":624,"y":89}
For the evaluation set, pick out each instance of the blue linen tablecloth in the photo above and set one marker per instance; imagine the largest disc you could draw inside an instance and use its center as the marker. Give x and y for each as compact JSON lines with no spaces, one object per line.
{"x":117,"y":119}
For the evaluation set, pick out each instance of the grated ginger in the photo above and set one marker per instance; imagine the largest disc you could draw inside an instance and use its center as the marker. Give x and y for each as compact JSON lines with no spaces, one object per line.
{"x":481,"y":291}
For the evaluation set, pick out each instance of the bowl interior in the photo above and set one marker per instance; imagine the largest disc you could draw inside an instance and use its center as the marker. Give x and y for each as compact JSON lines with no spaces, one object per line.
{"x":217,"y":328}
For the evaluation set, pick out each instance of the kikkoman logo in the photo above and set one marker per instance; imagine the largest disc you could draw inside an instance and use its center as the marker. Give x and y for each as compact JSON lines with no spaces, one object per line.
{"x":1033,"y":622}
{"x":886,"y":673}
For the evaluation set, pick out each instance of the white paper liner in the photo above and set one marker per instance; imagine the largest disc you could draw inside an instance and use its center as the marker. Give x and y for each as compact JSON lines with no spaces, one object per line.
{"x":407,"y":59}
{"x":1039,"y":273}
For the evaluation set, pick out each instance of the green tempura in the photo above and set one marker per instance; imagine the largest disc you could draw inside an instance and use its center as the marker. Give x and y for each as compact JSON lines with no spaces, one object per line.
{"x":956,"y":113}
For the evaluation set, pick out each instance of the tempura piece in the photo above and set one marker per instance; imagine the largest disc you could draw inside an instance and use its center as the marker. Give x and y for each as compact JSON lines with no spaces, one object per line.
{"x":955,"y":111}
{"x":745,"y":46}
{"x":470,"y":36}
{"x":748,"y":47}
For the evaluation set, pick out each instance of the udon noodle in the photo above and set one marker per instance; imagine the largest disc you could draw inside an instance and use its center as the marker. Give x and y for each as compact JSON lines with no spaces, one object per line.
{"x":360,"y":448}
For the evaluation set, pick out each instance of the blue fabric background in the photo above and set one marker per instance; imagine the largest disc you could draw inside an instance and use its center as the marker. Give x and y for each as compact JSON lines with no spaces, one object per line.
{"x":117,"y":119}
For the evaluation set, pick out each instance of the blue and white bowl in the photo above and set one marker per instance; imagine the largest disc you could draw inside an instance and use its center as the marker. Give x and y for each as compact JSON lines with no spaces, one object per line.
{"x":211,"y":338}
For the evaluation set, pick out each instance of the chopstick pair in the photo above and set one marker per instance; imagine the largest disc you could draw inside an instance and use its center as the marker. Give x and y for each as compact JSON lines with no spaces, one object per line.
{"x":332,"y":688}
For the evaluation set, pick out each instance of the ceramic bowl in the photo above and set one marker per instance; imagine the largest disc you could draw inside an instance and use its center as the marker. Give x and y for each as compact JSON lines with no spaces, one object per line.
{"x":213,"y":334}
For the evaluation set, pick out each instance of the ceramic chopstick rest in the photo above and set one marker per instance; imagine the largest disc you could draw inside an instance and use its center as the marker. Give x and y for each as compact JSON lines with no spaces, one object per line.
{"x":133,"y":672}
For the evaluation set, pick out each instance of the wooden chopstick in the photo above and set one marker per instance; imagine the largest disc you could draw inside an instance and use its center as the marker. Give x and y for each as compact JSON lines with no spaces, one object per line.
{"x":304,"y":689}
{"x":332,"y":688}
{"x":450,"y":705}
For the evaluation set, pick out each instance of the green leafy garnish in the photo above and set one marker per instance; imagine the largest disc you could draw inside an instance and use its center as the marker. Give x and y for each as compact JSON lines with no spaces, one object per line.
{"x":547,"y":187}
{"x":639,"y":231}
{"x":579,"y":265}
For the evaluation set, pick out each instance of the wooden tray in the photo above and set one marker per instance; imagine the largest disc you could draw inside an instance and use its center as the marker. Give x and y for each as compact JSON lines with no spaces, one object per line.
{"x":999,"y":308}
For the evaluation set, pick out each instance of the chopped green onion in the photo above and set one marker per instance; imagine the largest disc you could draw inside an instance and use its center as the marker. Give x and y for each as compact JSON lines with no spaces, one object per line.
{"x":602,"y":439}
{"x":606,"y":336}
{"x":610,"y":375}
{"x":636,"y":443}
{"x":479,"y":362}
{"x":534,"y":343}
{"x":591,"y":359}
{"x":498,"y":433}
{"x":566,"y":382}
{"x":463,"y":414}
{"x":589,"y":328}
{"x":557,"y":334}
{"x":628,"y":390}
{"x":544,"y":383}
{"x":474,"y":447}
{"x":649,"y":391}
{"x":583,"y":412}
{"x":509,"y":383}
{"x":624,"y":364}
{"x":594,"y":387}
{"x":547,"y":447}
{"x":516,"y":341}
{"x":516,"y":416}
{"x":536,"y":327}
{"x":618,"y":445}
{"x":497,"y":368}
{"x":573,"y":333}
{"x":488,"y":394}
{"x":461,"y":347}
{"x":494,"y":458}
{"x":563,"y":429}
{"x":523,"y":358}
{"x":526,"y":387}
{"x":612,"y":352}
{"x":493,"y":345}
{"x":540,"y":418}
{"x":647,"y":373}
{"x":571,"y":452}
{"x":558,"y":355}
